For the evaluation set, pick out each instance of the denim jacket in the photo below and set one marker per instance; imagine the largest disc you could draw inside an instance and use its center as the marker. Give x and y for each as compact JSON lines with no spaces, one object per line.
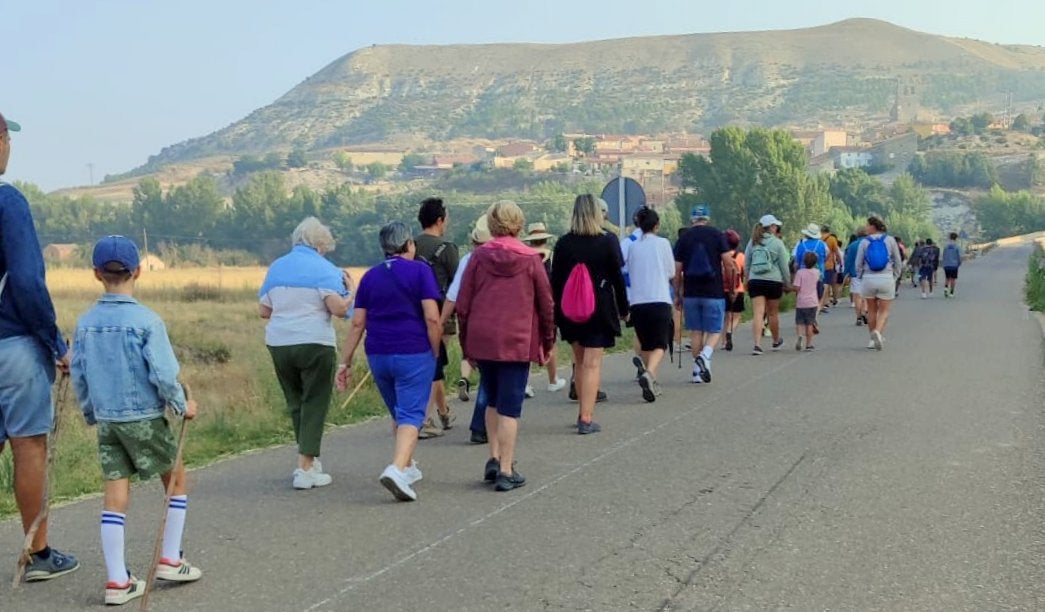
{"x":123,"y":364}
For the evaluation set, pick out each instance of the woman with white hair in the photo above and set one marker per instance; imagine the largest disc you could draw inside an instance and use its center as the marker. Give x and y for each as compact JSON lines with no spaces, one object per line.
{"x":301,"y":292}
{"x":397,"y":308}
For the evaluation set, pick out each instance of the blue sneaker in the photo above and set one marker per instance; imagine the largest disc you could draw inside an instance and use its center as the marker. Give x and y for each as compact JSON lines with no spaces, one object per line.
{"x":56,"y":564}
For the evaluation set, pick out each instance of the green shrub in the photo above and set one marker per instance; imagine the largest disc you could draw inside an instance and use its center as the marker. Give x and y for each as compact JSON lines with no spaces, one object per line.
{"x":1035,"y":287}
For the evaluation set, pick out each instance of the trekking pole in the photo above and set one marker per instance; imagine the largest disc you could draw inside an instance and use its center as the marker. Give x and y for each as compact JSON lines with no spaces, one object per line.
{"x":681,"y":324}
{"x":45,"y":509}
{"x":359,"y":385}
{"x":157,"y":549}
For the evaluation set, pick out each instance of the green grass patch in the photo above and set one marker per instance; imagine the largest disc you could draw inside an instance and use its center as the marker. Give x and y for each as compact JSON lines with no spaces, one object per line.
{"x":1035,"y":285}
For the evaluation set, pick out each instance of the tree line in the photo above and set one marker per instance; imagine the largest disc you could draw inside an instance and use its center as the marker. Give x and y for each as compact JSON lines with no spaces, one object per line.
{"x":749,"y":173}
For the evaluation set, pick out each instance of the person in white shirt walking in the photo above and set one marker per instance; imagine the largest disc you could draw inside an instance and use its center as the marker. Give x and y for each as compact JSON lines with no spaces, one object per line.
{"x":651,"y":265}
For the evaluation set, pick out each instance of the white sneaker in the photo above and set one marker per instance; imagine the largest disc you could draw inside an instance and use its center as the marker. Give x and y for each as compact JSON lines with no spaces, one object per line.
{"x":877,"y":340}
{"x":398,"y":483}
{"x":177,"y":571}
{"x":314,"y":477}
{"x":558,"y":385}
{"x":925,"y":295}
{"x":413,"y":473}
{"x":697,"y":380}
{"x":529,"y":392}
{"x":870,"y":344}
{"x":119,"y":594}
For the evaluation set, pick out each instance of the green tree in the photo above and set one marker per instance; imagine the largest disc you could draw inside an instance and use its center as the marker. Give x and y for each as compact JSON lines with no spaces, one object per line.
{"x":1021,"y":123}
{"x":343,"y":161}
{"x":862,"y":194}
{"x":559,"y":144}
{"x":962,"y":126}
{"x":411,"y":161}
{"x":980,"y":121}
{"x":256,"y":207}
{"x":1002,"y":214}
{"x":522,"y":164}
{"x":377,"y":170}
{"x":297,"y":159}
{"x":908,"y":198}
{"x":147,"y":206}
{"x":585,"y":144}
{"x":194,"y":209}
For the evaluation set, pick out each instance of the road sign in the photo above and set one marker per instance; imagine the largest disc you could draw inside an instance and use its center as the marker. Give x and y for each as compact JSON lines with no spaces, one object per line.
{"x":624,"y":202}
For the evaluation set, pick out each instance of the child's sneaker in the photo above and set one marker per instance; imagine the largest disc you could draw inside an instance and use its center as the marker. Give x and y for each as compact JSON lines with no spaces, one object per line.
{"x":56,"y":564}
{"x":177,"y":571}
{"x":119,"y":594}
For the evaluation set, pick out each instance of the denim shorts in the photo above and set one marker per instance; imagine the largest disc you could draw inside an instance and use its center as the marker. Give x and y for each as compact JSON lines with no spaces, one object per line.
{"x":26,"y":376}
{"x":504,"y":384}
{"x":405,"y":383}
{"x":706,"y":315}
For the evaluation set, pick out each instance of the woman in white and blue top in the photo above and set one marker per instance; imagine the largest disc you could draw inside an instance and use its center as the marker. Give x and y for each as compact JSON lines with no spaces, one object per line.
{"x":301,"y":292}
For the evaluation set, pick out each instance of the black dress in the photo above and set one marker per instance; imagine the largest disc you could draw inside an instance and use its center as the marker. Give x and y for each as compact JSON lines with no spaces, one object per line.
{"x":603,"y":257}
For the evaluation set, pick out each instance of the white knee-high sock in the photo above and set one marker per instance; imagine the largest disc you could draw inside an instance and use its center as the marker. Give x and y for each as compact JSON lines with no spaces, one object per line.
{"x":112,"y":546}
{"x":175,"y":527}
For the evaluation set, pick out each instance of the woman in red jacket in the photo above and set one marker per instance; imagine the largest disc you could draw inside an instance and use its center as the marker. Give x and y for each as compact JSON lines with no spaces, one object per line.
{"x":506,"y":318}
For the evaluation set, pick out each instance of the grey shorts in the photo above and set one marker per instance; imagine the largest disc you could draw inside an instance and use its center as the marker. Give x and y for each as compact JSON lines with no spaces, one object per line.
{"x":805,"y":316}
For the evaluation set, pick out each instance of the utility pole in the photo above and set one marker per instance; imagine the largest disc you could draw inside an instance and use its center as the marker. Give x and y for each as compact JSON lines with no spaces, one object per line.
{"x":145,"y":243}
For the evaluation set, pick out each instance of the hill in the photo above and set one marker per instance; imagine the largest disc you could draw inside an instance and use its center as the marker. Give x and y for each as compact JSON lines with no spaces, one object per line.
{"x":843,"y":74}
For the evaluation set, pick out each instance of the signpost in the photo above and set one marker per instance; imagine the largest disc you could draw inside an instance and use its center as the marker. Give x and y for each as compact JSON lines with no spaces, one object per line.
{"x":624,"y":197}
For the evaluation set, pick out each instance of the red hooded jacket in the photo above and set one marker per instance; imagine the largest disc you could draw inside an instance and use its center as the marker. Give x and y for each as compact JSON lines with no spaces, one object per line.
{"x":505,"y":306}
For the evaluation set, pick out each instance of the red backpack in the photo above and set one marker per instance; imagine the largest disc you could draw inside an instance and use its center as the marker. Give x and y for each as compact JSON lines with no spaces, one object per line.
{"x":578,"y":295}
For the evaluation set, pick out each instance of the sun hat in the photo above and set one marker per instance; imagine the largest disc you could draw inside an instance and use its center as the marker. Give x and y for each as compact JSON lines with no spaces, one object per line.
{"x":768,"y":220}
{"x":481,"y":232}
{"x":6,"y":125}
{"x":536,"y":231}
{"x":701,"y":211}
{"x":119,"y":249}
{"x":811,"y":231}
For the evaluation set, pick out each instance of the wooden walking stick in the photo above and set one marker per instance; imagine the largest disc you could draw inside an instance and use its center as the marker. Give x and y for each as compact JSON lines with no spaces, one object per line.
{"x":157,"y":549}
{"x":359,"y":385}
{"x":45,"y":509}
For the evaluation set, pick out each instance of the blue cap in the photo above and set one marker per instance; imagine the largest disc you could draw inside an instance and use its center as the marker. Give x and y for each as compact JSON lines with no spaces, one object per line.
{"x":119,"y":249}
{"x":700,"y":212}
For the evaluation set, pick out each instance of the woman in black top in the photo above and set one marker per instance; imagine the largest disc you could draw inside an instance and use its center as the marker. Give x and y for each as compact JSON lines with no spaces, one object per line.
{"x":589,"y":244}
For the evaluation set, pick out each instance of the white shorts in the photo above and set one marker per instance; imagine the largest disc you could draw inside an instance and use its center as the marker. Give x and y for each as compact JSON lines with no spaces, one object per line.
{"x":879,"y":286}
{"x":855,"y":286}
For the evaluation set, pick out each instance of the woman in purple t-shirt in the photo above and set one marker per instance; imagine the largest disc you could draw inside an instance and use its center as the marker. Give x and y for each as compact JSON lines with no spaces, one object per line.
{"x":397,"y":308}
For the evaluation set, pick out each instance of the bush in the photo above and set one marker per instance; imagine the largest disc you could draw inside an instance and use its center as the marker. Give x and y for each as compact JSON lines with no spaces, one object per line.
{"x":198,"y":292}
{"x":1035,"y":287}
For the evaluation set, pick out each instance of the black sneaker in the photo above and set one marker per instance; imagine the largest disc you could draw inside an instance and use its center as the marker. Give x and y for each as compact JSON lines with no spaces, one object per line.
{"x":493,"y":466}
{"x":507,"y":482}
{"x":756,"y":351}
{"x":464,"y":387}
{"x":646,"y":382}
{"x":588,"y":428}
{"x":601,"y":397}
{"x":573,"y":391}
{"x":779,"y":343}
{"x":729,"y":341}
{"x":640,"y":368}
{"x":479,"y":437}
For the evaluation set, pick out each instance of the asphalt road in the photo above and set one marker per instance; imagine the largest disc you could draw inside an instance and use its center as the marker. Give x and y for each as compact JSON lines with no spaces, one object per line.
{"x":910,"y":479}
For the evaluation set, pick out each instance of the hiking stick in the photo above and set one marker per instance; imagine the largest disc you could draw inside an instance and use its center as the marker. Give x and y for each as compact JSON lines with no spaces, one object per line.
{"x":681,"y":325}
{"x":45,"y":509}
{"x":157,"y":549}
{"x":359,"y":385}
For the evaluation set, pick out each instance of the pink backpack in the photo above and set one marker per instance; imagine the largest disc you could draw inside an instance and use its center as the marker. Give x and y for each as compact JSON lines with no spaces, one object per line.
{"x":578,"y":295}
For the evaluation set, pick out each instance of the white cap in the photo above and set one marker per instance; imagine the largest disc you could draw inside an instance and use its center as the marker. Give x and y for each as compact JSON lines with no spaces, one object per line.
{"x":768,"y":220}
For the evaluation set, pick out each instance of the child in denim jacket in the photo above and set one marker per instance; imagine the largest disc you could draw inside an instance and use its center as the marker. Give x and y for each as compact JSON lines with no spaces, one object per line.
{"x":125,"y":374}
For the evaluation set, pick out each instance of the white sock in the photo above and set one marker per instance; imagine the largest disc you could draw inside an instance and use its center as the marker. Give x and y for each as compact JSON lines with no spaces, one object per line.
{"x":175,"y":527}
{"x":112,"y":546}
{"x":707,"y":352}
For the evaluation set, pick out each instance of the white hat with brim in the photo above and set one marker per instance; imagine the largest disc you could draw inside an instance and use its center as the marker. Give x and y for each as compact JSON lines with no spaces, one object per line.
{"x":481,"y":232}
{"x":536,"y":231}
{"x":768,"y":220}
{"x":811,"y":231}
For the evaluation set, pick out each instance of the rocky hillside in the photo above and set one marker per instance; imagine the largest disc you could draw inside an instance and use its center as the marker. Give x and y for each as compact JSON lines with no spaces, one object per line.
{"x":839,"y":74}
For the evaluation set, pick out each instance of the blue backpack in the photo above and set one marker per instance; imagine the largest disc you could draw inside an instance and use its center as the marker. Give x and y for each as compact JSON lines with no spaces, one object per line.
{"x":877,"y":254}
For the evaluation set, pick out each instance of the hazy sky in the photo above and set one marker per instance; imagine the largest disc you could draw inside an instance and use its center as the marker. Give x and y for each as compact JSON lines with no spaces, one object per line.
{"x":112,"y":81}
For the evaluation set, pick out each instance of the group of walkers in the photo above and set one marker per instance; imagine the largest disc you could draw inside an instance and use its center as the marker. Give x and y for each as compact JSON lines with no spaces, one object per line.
{"x":507,"y":301}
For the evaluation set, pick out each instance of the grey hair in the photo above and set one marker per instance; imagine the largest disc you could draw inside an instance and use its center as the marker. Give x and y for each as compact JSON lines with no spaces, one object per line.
{"x":394,"y":238}
{"x":312,"y":233}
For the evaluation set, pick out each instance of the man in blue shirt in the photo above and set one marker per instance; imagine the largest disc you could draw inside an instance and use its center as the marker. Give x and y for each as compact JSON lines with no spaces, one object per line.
{"x":30,"y":348}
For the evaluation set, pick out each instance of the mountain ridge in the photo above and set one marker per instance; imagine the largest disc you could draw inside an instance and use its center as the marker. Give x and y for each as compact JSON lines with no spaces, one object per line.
{"x":841,"y":72}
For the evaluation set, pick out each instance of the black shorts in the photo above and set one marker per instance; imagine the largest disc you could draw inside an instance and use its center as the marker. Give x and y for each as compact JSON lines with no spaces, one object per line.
{"x":736,"y":304}
{"x":771,"y":290}
{"x":950,"y":273}
{"x":652,"y":324}
{"x":441,"y":363}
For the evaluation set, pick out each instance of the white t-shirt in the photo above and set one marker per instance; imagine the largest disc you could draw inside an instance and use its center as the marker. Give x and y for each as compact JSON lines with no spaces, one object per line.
{"x":651,"y":265}
{"x":455,"y":285}
{"x":299,"y":316}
